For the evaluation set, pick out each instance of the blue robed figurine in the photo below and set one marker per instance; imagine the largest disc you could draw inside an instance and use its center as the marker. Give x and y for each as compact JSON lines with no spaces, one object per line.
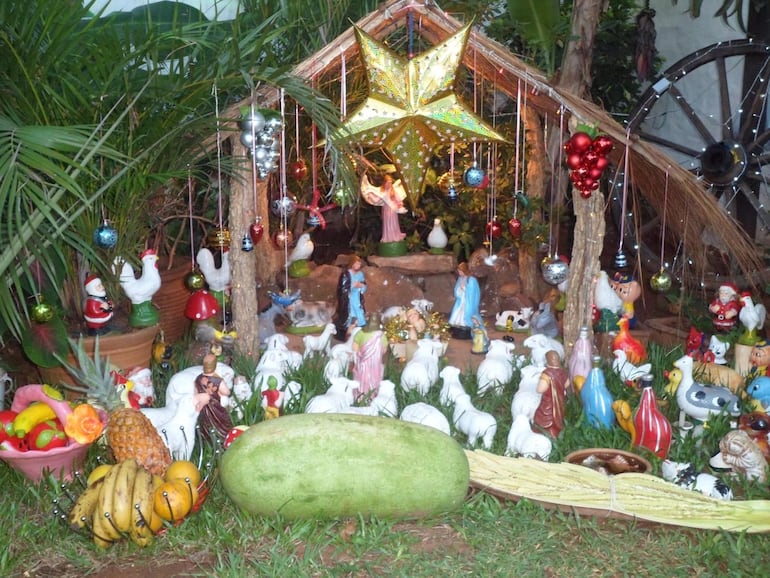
{"x":467,"y":299}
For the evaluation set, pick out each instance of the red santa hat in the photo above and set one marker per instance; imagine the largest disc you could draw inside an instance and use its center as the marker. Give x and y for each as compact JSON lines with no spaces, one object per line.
{"x":91,"y":282}
{"x":731,"y":286}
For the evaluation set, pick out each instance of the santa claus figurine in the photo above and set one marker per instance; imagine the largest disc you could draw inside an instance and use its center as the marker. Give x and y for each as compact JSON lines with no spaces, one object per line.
{"x":725,"y":307}
{"x":97,"y":310}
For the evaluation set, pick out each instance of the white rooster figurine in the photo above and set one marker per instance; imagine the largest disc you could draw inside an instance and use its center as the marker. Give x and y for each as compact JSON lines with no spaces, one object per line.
{"x":627,"y":371}
{"x":140,"y":291}
{"x":752,"y":317}
{"x":218,"y":278}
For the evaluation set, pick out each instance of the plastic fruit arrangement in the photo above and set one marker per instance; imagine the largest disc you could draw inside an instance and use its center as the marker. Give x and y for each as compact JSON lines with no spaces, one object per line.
{"x":36,"y":442}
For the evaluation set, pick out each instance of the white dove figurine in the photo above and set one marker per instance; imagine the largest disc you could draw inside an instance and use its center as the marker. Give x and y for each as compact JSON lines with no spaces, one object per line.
{"x":627,"y":370}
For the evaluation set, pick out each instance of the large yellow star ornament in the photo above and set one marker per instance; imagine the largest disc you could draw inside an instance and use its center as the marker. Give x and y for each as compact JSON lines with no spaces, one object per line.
{"x":412,"y":107}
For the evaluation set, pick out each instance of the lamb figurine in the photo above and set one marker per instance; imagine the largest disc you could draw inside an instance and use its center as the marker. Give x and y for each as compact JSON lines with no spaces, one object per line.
{"x":524,"y":442}
{"x":319,"y":343}
{"x":426,"y":415}
{"x":496,"y":369}
{"x":539,"y":345}
{"x":526,"y":400}
{"x":339,"y":362}
{"x":474,"y":423}
{"x":421,"y":372}
{"x":452,"y":387}
{"x":337,"y":398}
{"x":383,"y":404}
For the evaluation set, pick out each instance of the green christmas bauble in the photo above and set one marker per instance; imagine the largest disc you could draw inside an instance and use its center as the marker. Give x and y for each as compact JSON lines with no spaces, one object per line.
{"x":42,"y":313}
{"x":661,"y":281}
{"x":195,"y":281}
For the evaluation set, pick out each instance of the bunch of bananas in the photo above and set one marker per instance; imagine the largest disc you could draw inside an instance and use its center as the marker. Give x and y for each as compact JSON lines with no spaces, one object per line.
{"x":126,"y":500}
{"x":117,"y":504}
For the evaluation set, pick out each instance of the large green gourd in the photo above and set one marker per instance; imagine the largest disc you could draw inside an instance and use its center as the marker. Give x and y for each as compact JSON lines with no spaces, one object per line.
{"x":339,"y":465}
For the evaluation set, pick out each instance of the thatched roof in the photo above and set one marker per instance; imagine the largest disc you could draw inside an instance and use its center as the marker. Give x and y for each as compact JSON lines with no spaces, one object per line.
{"x":690,"y":210}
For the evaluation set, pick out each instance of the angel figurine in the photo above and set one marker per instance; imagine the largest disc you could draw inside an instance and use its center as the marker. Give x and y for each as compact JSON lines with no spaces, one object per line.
{"x":390,"y":196}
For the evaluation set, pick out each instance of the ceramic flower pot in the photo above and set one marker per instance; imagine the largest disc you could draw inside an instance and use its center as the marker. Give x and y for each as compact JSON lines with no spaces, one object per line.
{"x":60,"y":462}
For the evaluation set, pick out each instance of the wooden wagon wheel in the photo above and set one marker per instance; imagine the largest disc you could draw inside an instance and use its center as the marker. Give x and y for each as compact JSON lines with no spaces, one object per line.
{"x":708,"y":112}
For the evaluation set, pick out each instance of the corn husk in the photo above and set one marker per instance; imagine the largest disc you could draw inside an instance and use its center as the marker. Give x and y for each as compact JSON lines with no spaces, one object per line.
{"x":629,"y":495}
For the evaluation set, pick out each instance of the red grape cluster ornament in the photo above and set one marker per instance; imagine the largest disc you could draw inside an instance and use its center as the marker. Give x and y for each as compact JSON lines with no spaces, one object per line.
{"x":587,"y":159}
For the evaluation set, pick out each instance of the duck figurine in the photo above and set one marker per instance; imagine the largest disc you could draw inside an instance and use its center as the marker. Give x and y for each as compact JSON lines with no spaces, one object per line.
{"x":624,"y":341}
{"x":700,"y":401}
{"x":437,"y":239}
{"x":674,"y":377}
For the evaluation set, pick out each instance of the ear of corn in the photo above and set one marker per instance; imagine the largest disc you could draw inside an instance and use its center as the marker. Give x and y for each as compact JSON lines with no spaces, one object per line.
{"x":631,"y":495}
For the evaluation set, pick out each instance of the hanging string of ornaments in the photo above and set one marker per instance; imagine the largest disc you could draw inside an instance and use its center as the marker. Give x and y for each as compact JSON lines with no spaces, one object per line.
{"x":587,"y":159}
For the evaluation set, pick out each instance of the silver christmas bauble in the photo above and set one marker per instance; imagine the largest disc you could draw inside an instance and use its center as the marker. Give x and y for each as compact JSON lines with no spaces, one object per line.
{"x":284,"y":206}
{"x":252,"y":122}
{"x":554,"y":270}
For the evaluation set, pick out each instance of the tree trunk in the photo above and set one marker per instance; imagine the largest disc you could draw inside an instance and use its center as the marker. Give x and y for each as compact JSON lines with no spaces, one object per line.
{"x":575,"y":77}
{"x":244,"y":265}
{"x":529,"y":271}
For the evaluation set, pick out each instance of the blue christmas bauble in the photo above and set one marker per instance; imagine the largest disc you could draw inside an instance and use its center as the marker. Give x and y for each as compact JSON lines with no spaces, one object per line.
{"x":105,"y":236}
{"x":474,"y":176}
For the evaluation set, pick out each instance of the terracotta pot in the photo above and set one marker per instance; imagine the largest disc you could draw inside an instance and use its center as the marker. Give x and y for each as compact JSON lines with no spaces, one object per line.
{"x":610,"y":460}
{"x":124,"y":350}
{"x":171,"y":300}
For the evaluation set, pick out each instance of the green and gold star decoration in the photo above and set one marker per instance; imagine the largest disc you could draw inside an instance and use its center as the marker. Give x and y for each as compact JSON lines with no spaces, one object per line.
{"x":412,"y":107}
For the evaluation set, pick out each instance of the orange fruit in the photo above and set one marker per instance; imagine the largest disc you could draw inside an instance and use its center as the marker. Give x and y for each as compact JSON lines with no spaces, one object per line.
{"x":183,"y":469}
{"x":173,"y":500}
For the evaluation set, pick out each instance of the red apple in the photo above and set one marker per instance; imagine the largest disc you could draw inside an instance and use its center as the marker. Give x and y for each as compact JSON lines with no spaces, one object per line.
{"x":47,"y":435}
{"x":6,"y":425}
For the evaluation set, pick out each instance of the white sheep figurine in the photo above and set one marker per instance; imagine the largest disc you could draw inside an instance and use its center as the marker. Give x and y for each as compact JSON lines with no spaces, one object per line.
{"x":526,"y":400}
{"x":522,"y":441}
{"x":319,"y":343}
{"x":421,"y":372}
{"x":339,"y":362}
{"x":337,"y":398}
{"x":427,"y":415}
{"x":496,"y":369}
{"x":474,"y":423}
{"x":540,"y":344}
{"x":451,"y":386}
{"x":383,"y":404}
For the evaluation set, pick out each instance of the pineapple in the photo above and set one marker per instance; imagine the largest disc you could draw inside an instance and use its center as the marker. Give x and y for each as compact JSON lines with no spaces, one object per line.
{"x":130,"y":434}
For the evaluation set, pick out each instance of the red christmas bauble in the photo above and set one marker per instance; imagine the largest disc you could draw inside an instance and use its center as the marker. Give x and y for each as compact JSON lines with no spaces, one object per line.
{"x":256,"y":231}
{"x":589,"y":158}
{"x":580,"y":141}
{"x":586,"y":194}
{"x":282,"y":238}
{"x":574,"y":160}
{"x":602,"y":144}
{"x":298,"y":170}
{"x":601,"y":163}
{"x":493,"y":229}
{"x":514,"y":227}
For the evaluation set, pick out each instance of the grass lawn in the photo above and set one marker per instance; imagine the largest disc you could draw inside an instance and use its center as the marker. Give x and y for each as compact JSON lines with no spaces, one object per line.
{"x":487,"y":537}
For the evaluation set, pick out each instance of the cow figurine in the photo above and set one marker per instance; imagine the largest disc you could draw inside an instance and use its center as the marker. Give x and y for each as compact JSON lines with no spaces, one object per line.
{"x":310,"y":313}
{"x":514,"y":320}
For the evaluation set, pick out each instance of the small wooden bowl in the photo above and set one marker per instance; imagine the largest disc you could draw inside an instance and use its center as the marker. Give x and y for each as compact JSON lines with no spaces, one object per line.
{"x":610,"y":461}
